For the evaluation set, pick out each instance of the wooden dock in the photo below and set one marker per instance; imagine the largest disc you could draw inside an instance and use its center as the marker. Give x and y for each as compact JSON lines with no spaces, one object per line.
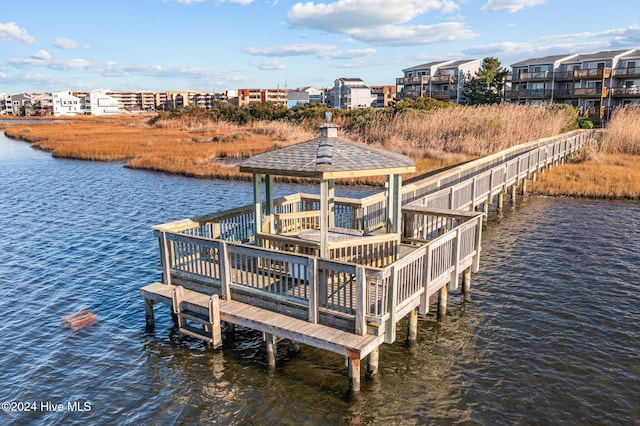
{"x":274,"y":266}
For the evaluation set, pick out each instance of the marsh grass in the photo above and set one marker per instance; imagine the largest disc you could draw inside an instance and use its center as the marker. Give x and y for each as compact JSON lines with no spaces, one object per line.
{"x":607,"y":167}
{"x":199,"y":147}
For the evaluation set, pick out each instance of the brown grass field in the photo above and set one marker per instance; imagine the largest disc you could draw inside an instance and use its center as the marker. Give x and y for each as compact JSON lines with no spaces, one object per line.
{"x":434,"y":139}
{"x":608,"y":168}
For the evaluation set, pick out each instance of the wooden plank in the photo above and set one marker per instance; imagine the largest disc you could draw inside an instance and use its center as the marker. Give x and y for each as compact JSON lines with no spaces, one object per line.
{"x":317,"y":335}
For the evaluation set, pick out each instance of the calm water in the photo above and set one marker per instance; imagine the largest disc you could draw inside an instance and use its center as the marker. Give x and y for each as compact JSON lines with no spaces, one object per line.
{"x":552,"y":334}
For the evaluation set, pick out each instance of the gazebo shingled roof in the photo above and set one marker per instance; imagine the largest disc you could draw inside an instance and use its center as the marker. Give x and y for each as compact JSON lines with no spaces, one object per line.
{"x":328,"y":157}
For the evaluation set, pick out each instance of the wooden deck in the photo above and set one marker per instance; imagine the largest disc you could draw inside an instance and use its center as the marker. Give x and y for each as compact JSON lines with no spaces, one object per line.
{"x":350,"y":301}
{"x":266,"y":321}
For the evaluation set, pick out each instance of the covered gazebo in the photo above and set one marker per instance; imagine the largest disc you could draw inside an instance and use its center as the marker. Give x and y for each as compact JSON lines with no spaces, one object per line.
{"x":327,"y":158}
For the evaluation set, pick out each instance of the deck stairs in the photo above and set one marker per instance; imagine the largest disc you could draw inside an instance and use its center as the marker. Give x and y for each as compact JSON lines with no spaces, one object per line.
{"x":206,"y":315}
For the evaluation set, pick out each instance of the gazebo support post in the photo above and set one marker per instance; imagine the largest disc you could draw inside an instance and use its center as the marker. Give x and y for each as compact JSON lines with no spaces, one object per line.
{"x":269,"y":207}
{"x":394,"y":203}
{"x":257,"y":202}
{"x":324,"y":217}
{"x":331,"y":193}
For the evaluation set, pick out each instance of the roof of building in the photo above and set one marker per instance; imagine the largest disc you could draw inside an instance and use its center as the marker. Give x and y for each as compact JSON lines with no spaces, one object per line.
{"x":328,"y":158}
{"x":609,"y":54}
{"x":456,"y":64}
{"x":544,"y":60}
{"x":427,"y":65}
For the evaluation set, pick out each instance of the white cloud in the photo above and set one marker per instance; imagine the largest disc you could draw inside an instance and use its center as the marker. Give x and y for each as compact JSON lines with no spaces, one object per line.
{"x":298,"y":49}
{"x":629,"y":36}
{"x":380,"y":22}
{"x":41,"y":54}
{"x":322,"y":51}
{"x":344,"y":16}
{"x":347,"y":54}
{"x":11,"y":32}
{"x":67,"y":43}
{"x":510,"y":6}
{"x":269,"y":65}
{"x":395,"y":35}
{"x":241,"y":2}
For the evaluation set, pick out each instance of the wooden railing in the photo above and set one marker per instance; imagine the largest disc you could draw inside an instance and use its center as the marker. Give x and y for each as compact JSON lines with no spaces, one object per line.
{"x":283,"y":272}
{"x":492,"y":174}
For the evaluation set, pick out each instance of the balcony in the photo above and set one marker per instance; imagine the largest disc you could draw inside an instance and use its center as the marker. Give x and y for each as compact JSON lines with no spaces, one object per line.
{"x":563,"y":93}
{"x":563,"y":75}
{"x":413,"y":81}
{"x":626,"y":92}
{"x":535,"y":76}
{"x":529,"y":94}
{"x":443,"y":94}
{"x":626,"y":72}
{"x":591,"y":92}
{"x":591,"y":74}
{"x":443,"y":79}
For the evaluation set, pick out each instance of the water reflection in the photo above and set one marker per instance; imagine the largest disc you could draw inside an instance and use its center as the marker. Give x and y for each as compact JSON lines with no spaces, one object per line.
{"x":550,"y":335}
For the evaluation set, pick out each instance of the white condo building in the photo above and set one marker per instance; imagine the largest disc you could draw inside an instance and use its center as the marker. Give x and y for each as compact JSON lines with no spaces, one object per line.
{"x":97,"y":102}
{"x":64,"y":103}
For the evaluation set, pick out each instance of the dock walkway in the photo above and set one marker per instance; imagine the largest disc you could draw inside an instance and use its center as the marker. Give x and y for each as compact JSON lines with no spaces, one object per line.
{"x":251,"y":267}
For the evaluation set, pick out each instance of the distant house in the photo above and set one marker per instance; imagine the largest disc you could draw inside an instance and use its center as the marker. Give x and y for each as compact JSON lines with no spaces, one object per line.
{"x":15,"y":104}
{"x":98,"y":102}
{"x":443,"y":80}
{"x":297,"y":97}
{"x":349,"y":93}
{"x":66,"y":104}
{"x":304,"y":96}
{"x":382,"y":96}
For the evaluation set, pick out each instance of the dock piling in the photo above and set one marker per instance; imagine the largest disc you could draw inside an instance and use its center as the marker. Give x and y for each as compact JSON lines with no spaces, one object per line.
{"x":412,"y":326}
{"x":373,"y":362}
{"x":442,"y":302}
{"x":148,"y":313}
{"x":466,"y":284}
{"x":354,"y":374}
{"x":271,"y":341}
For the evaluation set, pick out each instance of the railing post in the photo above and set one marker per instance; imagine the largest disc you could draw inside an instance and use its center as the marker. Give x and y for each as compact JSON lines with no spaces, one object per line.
{"x":225,"y":272}
{"x":312,"y":268}
{"x":473,"y":193}
{"x":165,"y":258}
{"x":390,"y":326}
{"x":456,"y":260}
{"x":424,"y":299}
{"x":478,"y":239}
{"x":452,"y":198}
{"x":361,"y":301}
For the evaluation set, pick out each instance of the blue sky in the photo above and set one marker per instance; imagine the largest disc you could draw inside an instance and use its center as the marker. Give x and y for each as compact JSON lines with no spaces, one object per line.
{"x":216,"y":45}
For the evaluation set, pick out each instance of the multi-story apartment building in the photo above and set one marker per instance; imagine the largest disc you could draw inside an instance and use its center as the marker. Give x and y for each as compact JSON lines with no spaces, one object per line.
{"x":591,"y":82}
{"x":349,"y":93}
{"x":134,"y":101}
{"x":383,"y":96}
{"x":247,"y":96}
{"x":443,"y":80}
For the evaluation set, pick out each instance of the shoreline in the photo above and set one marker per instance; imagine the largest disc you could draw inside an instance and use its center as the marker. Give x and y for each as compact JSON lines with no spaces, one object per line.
{"x":138,"y":147}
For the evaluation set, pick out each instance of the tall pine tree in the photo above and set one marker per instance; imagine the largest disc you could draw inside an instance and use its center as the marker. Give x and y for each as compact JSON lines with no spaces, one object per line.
{"x":487,"y":85}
